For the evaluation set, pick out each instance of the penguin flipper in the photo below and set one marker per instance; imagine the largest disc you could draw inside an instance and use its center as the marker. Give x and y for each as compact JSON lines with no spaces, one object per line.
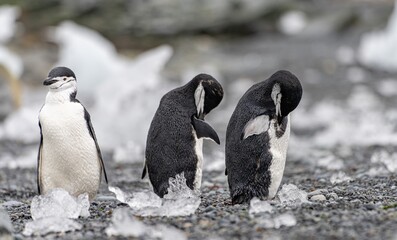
{"x":92,"y":133}
{"x":204,"y":130}
{"x":255,"y":126}
{"x":39,"y":160}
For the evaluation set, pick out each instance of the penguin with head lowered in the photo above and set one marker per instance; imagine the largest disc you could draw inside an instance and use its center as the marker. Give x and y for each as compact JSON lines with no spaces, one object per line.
{"x":257,"y":137}
{"x":69,"y":156}
{"x":175,"y":139}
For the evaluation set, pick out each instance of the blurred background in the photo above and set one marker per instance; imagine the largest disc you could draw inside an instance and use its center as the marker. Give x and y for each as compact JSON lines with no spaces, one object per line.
{"x":127,"y":54}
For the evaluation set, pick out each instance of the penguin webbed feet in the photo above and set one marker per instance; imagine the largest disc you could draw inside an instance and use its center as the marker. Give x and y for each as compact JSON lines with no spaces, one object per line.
{"x":204,"y":130}
{"x":245,"y":194}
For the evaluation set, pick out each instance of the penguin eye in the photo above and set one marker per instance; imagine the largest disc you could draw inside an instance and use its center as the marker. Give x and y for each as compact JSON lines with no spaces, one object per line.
{"x":64,"y":79}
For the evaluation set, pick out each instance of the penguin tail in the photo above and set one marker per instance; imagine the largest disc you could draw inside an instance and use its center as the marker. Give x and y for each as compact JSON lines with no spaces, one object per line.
{"x":143,"y":172}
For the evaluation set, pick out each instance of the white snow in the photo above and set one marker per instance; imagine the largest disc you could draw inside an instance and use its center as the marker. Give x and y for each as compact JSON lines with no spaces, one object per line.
{"x":291,"y":195}
{"x":340,"y":177}
{"x":258,"y":206}
{"x":179,"y":201}
{"x":126,"y":225}
{"x":378,"y":49}
{"x":285,"y":219}
{"x":292,"y":22}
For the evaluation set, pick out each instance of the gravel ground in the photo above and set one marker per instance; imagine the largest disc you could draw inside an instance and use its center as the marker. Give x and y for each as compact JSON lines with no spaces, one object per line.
{"x":364,"y":208}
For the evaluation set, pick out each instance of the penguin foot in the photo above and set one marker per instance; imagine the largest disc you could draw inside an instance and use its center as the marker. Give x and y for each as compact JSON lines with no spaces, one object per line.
{"x":245,"y":194}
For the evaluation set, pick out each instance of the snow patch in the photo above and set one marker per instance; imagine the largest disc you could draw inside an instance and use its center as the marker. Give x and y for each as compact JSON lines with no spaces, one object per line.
{"x":8,"y":16}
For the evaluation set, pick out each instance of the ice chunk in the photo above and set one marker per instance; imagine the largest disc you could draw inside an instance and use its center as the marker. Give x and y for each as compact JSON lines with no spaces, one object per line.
{"x":291,"y":195}
{"x":126,"y":225}
{"x":59,"y":203}
{"x":389,"y":160}
{"x":137,"y":200}
{"x":258,"y":206}
{"x":47,"y":225}
{"x":285,"y":219}
{"x":387,"y":87}
{"x":378,"y":49}
{"x":330,"y":162}
{"x":340,"y":177}
{"x":22,"y":125}
{"x":179,"y":201}
{"x":8,"y":16}
{"x":292,"y":22}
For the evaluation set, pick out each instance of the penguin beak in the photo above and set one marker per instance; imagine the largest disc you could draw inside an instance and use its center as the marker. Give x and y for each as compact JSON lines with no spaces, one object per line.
{"x":49,"y":81}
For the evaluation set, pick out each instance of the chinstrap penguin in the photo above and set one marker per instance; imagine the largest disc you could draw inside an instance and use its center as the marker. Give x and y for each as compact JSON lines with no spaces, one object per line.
{"x":69,"y":156}
{"x":175,"y":138}
{"x":257,"y":137}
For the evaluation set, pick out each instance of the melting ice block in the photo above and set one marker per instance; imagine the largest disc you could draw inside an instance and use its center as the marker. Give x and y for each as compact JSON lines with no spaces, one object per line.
{"x":388,"y":160}
{"x":258,"y":206}
{"x":179,"y":201}
{"x":54,"y":212}
{"x":291,"y":195}
{"x":126,"y":225}
{"x":59,"y":203}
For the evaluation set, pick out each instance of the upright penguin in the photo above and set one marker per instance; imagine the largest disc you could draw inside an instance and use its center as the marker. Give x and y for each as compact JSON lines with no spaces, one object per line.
{"x":175,"y":139}
{"x":69,"y":156}
{"x":257,"y":137}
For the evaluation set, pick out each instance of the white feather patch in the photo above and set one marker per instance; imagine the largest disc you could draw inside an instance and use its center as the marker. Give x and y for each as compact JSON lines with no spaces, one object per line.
{"x":199,"y":95}
{"x":199,"y":168}
{"x":256,"y":126}
{"x":278,"y":149}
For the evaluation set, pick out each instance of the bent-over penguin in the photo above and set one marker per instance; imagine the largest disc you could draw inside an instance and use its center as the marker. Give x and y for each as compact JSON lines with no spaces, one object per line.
{"x":175,"y":138}
{"x":69,"y":156}
{"x":257,"y":137}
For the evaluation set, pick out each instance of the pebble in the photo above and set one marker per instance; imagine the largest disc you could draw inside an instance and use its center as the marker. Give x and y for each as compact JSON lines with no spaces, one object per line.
{"x":333,"y":196}
{"x":318,"y":198}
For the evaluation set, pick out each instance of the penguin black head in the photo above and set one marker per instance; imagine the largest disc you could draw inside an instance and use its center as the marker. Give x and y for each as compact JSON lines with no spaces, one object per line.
{"x":286,"y":93}
{"x":60,"y":78}
{"x":208,"y":94}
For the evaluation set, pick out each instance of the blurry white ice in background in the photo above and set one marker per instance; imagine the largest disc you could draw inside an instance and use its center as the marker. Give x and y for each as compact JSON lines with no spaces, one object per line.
{"x":54,"y":211}
{"x":126,"y":225}
{"x":389,"y":160}
{"x":291,"y":195}
{"x":378,"y":49}
{"x":179,"y":201}
{"x":387,"y":87}
{"x":284,"y":219}
{"x":292,"y":22}
{"x":340,"y":177}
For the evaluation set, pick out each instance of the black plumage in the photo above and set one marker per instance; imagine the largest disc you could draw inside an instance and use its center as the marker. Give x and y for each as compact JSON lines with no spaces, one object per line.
{"x":248,"y":159}
{"x":170,"y":147}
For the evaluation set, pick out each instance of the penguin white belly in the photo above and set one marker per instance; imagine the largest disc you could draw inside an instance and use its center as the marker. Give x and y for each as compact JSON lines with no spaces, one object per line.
{"x":69,"y":158}
{"x":199,"y":168}
{"x":278,"y":149}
